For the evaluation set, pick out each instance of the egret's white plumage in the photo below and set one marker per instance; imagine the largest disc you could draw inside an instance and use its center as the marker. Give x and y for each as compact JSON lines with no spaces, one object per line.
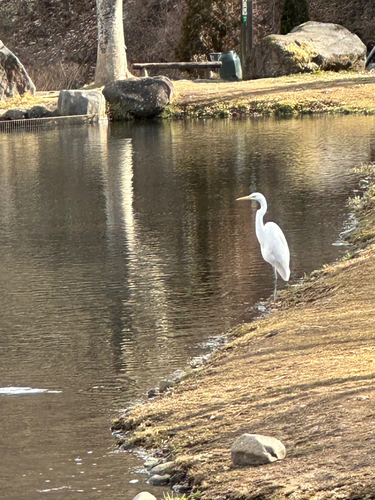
{"x":273,"y":244}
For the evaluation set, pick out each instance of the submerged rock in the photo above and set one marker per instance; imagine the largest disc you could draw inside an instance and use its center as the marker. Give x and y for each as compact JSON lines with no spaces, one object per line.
{"x":158,"y":480}
{"x":255,"y":449}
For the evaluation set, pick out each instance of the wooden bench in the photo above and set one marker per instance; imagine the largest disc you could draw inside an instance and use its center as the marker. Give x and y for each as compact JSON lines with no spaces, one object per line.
{"x":207,"y":65}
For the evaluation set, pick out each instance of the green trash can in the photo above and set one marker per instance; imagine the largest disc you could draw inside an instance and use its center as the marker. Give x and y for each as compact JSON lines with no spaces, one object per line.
{"x":230,"y":66}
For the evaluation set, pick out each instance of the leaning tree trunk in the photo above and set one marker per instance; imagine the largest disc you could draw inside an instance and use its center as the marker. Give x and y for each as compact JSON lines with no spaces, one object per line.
{"x":111,"y":61}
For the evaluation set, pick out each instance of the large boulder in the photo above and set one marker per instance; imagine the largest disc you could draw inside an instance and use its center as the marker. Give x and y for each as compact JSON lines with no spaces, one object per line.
{"x":255,"y":449}
{"x":14,"y":79}
{"x":138,"y":97}
{"x":307,"y":48}
{"x":81,"y":102}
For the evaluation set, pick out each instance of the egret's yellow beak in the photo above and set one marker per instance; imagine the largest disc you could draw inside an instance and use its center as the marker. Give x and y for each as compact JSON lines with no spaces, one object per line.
{"x":249,"y":197}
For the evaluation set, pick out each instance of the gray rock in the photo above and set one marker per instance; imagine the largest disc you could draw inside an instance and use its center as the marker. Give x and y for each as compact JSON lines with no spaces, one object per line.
{"x":144,"y":495}
{"x":255,"y":449}
{"x":138,"y":97}
{"x":39,"y":112}
{"x":165,"y":384}
{"x":81,"y":102}
{"x":181,"y":488}
{"x":178,"y":375}
{"x":307,"y":48}
{"x":161,"y":469}
{"x":150,"y":463}
{"x":158,"y":480}
{"x":14,"y":114}
{"x":153,"y":393}
{"x":14,"y":79}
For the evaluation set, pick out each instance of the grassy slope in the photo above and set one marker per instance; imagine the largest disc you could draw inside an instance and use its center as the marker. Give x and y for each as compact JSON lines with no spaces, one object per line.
{"x":342,"y":92}
{"x":305,"y":374}
{"x":304,"y":93}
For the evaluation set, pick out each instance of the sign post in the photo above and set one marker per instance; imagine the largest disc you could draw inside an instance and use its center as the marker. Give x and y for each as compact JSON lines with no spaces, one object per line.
{"x":246,"y":30}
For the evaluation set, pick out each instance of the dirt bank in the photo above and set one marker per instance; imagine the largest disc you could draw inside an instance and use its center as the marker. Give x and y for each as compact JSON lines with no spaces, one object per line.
{"x":304,"y":374}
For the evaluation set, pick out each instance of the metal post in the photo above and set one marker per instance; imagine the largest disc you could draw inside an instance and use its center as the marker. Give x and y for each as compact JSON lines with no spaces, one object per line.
{"x":243,"y":32}
{"x":246,"y":30}
{"x":250,"y":23}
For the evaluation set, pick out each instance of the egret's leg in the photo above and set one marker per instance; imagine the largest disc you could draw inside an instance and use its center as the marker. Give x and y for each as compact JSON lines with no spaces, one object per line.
{"x":275,"y":284}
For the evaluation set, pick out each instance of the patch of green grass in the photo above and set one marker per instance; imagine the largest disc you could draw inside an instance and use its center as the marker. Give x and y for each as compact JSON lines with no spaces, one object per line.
{"x":171,"y":496}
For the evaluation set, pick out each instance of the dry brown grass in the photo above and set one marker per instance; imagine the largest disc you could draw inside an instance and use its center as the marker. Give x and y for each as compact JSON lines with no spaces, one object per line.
{"x":304,"y":374}
{"x":47,"y":99}
{"x":342,"y":92}
{"x":295,"y":94}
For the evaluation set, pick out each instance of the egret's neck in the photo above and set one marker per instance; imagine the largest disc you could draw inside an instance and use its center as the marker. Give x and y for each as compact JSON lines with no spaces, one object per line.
{"x":259,"y":224}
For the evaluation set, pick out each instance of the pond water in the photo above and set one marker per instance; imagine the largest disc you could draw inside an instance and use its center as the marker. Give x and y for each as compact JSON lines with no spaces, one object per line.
{"x":122,"y":251}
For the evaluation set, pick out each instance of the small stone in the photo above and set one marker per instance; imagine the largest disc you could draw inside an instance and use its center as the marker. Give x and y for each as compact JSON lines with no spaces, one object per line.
{"x":165,"y":468}
{"x":181,"y":488}
{"x":255,"y":449}
{"x":272,"y":333}
{"x":144,"y":495}
{"x":158,"y":480}
{"x":152,"y":393}
{"x":14,"y":114}
{"x":165,"y":384}
{"x":178,"y":374}
{"x":150,"y":463}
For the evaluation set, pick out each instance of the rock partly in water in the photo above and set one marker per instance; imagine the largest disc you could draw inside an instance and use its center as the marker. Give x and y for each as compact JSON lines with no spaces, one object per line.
{"x":161,"y":469}
{"x":14,"y":79}
{"x":150,"y":463}
{"x":159,"y":480}
{"x":255,"y":449}
{"x":153,"y":393}
{"x":144,"y":495}
{"x":166,"y":384}
{"x":81,"y":102}
{"x":307,"y":48}
{"x":138,"y":97}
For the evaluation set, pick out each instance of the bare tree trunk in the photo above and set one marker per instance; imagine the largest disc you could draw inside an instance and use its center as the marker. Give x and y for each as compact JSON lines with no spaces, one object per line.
{"x":111,"y":60}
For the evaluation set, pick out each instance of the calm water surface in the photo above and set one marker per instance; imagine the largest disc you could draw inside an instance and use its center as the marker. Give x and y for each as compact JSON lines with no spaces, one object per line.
{"x":122,"y":250}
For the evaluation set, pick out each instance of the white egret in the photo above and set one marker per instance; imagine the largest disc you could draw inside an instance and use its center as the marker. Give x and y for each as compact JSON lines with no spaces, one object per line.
{"x":273,"y":244}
